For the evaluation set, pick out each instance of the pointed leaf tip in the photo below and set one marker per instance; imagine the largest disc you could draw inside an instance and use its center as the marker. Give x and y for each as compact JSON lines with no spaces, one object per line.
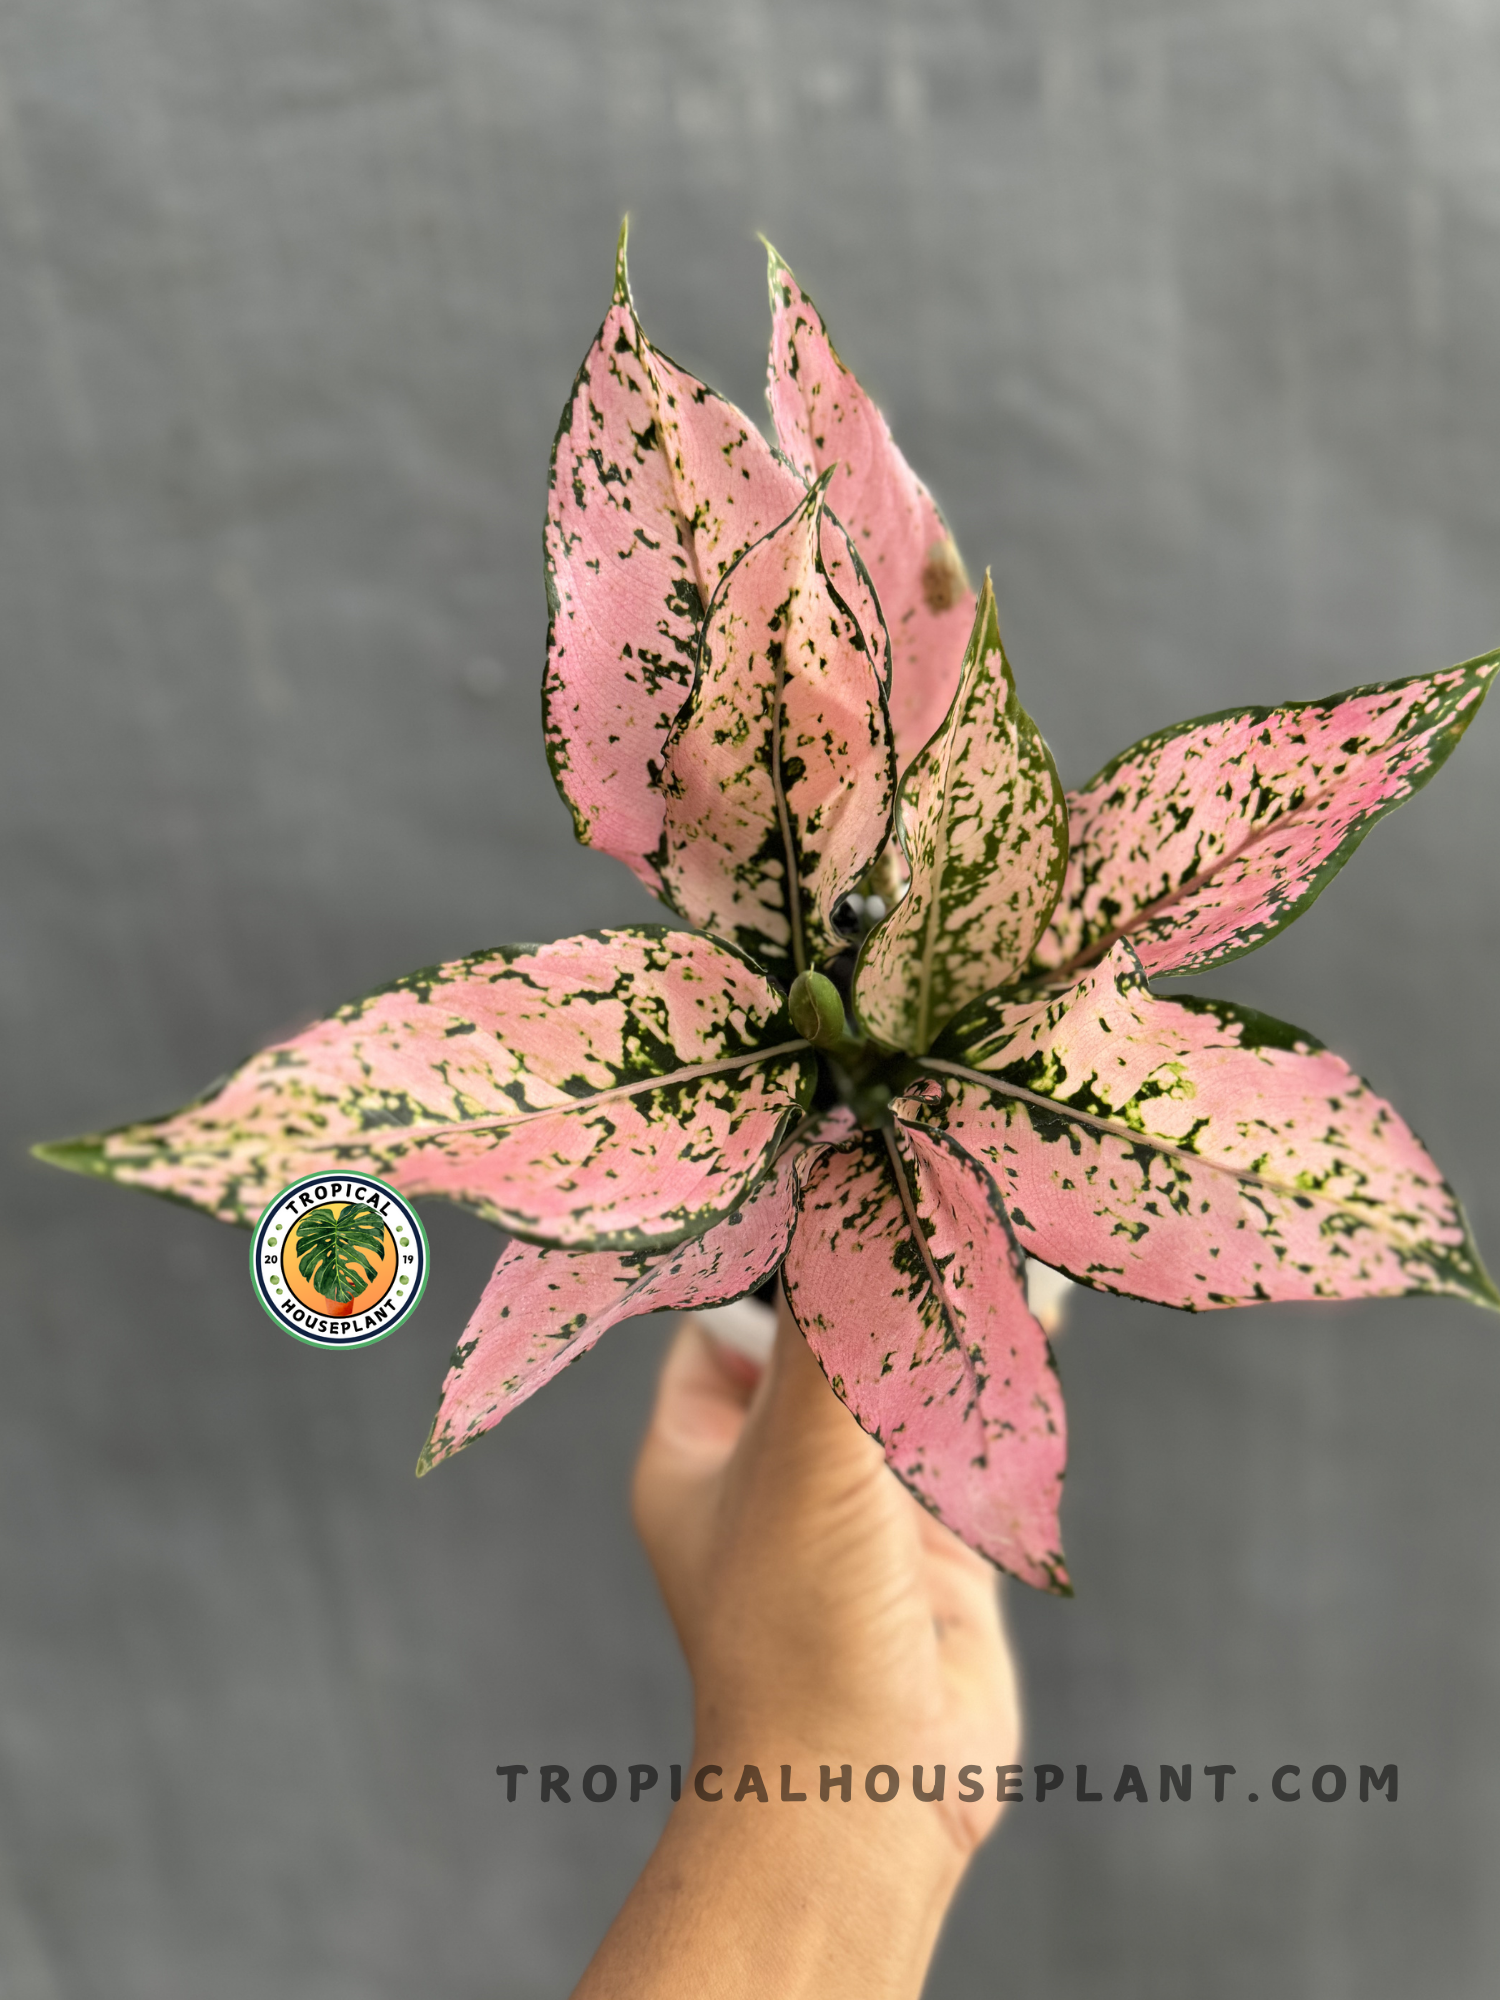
{"x":75,"y":1156}
{"x":1212,"y":1157}
{"x":631,"y":1071}
{"x":985,"y":631}
{"x":983,"y":825}
{"x":778,"y":776}
{"x":657,"y":486}
{"x":544,"y":1309}
{"x":906,"y":1283}
{"x":622,"y":274}
{"x":776,"y":267}
{"x":1203,"y":840}
{"x":817,"y":492}
{"x":1485,"y":1292}
{"x":825,"y":420}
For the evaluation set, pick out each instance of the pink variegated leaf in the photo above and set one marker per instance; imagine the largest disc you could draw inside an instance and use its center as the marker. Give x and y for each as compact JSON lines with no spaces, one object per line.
{"x":983,"y":827}
{"x":779,"y":776}
{"x":825,"y":421}
{"x":657,"y":484}
{"x":905,"y":1278}
{"x":545,"y":1308}
{"x":1204,"y":840}
{"x":620,"y":1090}
{"x":1193,"y":1152}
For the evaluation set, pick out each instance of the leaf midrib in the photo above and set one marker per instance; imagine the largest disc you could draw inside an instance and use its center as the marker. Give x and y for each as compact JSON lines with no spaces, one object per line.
{"x":940,"y":853}
{"x":1117,"y":1128}
{"x":934,"y":1277}
{"x":1143,"y":917}
{"x":791,"y":864}
{"x":688,"y":1074}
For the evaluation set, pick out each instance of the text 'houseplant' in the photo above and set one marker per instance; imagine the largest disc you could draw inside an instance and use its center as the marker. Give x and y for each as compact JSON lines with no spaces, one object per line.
{"x":910,"y":1037}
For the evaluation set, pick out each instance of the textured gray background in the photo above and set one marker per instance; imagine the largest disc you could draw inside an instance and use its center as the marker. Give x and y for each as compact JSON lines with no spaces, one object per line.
{"x":1188,"y":312}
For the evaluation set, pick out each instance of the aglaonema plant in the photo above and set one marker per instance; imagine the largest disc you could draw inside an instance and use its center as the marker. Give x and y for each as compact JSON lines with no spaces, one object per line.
{"x":909,"y":1038}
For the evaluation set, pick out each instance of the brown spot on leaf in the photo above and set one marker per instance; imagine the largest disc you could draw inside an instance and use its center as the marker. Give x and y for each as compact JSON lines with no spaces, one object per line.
{"x":944,"y":579}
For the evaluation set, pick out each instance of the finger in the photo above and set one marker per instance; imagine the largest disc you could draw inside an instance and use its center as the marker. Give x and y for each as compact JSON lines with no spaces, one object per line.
{"x":807,"y":1411}
{"x":702,"y":1395}
{"x":695,"y":1425}
{"x":803,"y":1466}
{"x":736,"y":1364}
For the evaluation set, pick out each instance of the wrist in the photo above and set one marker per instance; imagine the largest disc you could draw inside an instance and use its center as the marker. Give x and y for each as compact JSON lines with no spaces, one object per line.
{"x":895,"y":1815}
{"x":812,"y":1895}
{"x":922,"y":1786}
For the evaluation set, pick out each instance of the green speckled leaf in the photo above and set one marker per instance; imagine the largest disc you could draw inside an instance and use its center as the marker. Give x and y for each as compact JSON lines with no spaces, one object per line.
{"x":779,"y":774}
{"x":616,"y":1090}
{"x":1193,"y":1152}
{"x":982,"y":823}
{"x":905,"y":1279}
{"x":543,"y":1309}
{"x":657,"y":485}
{"x":1204,"y":840}
{"x":827,"y":424}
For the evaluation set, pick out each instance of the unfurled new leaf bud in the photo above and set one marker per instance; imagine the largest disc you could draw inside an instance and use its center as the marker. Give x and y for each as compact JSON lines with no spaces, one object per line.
{"x":817,"y":1009}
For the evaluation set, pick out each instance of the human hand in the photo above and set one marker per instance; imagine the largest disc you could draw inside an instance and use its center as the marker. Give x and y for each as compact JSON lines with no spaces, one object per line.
{"x":827,"y":1619}
{"x":822,"y":1610}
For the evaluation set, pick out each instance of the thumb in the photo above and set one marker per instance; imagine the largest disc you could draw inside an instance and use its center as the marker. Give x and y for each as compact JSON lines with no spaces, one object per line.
{"x":799,"y":1437}
{"x":702,"y":1397}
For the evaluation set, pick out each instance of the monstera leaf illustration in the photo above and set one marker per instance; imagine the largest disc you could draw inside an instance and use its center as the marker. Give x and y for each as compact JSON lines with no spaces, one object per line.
{"x":331,"y":1243}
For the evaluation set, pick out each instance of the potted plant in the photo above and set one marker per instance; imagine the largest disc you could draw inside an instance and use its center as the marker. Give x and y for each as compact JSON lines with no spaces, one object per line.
{"x":909,"y":1037}
{"x":333,"y":1247}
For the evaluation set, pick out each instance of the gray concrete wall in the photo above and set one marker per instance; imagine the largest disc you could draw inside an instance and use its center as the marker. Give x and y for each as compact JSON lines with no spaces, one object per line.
{"x":1189,"y":314}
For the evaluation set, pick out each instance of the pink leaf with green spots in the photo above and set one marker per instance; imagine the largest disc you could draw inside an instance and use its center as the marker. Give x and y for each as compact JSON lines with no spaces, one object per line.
{"x":905,"y":1278}
{"x":657,"y":484}
{"x":779,"y":776}
{"x":1192,"y":1152}
{"x":545,"y":1308}
{"x":616,"y":1090}
{"x":741,"y":644}
{"x":983,"y":827}
{"x":825,"y":421}
{"x":1204,"y":840}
